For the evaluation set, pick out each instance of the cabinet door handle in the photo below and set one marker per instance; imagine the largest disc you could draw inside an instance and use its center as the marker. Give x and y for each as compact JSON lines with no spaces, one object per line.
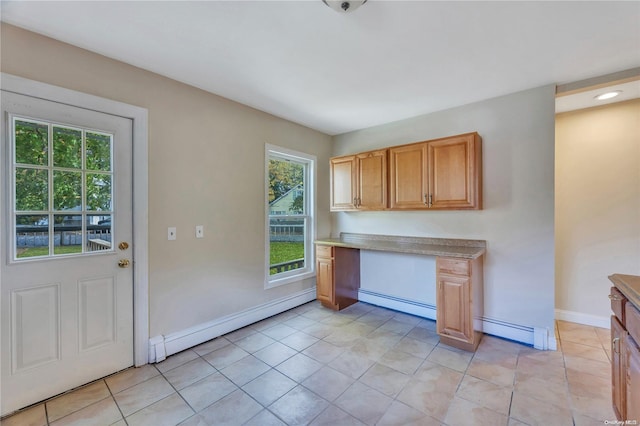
{"x":616,"y":345}
{"x":614,"y":297}
{"x":430,"y":200}
{"x":425,"y":200}
{"x":355,"y":201}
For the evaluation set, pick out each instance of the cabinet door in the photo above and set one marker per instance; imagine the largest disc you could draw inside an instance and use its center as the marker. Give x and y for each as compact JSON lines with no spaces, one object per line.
{"x":453,"y":313}
{"x":372,"y":180}
{"x":633,"y":380}
{"x":618,"y":370}
{"x":324,"y":280}
{"x":408,"y":180}
{"x":343,"y":183}
{"x":453,"y":173}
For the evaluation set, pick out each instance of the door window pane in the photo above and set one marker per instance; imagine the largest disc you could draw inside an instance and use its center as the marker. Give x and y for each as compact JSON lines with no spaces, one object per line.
{"x":67,"y":234}
{"x":98,"y":232}
{"x":67,"y":147}
{"x":68,"y":186}
{"x":32,"y":189}
{"x":67,"y":190}
{"x":31,"y":143}
{"x":32,"y":235}
{"x":98,"y":152}
{"x":98,"y":192}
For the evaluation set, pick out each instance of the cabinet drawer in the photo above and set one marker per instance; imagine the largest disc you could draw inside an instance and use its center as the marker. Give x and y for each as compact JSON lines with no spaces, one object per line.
{"x":633,"y":321}
{"x":453,"y":266}
{"x":324,"y":251}
{"x":617,"y":304}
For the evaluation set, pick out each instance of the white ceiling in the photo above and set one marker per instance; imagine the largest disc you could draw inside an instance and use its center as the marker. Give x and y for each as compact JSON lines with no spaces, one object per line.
{"x":337,"y":72}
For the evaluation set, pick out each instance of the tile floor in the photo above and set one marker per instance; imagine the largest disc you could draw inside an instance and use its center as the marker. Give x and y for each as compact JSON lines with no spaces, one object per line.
{"x":363,"y":365}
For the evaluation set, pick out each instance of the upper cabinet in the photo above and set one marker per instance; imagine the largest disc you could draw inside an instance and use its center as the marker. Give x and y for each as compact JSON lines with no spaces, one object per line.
{"x":359,"y":182}
{"x":343,"y":183}
{"x":454,"y":171}
{"x":441,"y":174}
{"x":409,"y":181}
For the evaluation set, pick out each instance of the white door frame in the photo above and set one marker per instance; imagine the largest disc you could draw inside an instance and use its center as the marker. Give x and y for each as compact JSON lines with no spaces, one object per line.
{"x":139,"y":116}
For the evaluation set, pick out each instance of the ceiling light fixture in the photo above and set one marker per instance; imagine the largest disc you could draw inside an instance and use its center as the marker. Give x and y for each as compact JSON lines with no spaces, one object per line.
{"x":608,"y":95}
{"x":344,"y":5}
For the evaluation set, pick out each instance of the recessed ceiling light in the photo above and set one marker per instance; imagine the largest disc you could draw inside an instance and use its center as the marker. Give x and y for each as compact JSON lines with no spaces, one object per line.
{"x":608,"y":95}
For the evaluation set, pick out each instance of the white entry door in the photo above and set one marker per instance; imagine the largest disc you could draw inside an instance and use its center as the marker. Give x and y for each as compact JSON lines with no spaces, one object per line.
{"x":66,"y":256}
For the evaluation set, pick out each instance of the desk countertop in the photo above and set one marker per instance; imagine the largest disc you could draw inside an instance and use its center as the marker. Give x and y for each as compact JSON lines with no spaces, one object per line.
{"x":464,"y":249}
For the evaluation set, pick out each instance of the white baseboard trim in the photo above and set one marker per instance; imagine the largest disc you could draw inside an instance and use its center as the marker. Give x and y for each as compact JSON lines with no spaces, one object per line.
{"x":193,"y":336}
{"x":586,"y":319}
{"x":398,"y":304}
{"x":540,"y":338}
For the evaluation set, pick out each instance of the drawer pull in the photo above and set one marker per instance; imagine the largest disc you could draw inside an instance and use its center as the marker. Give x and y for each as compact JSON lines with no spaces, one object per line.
{"x":614,"y":297}
{"x":616,"y":345}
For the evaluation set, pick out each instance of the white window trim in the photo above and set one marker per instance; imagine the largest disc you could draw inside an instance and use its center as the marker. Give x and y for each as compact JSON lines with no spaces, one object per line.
{"x":309,"y":270}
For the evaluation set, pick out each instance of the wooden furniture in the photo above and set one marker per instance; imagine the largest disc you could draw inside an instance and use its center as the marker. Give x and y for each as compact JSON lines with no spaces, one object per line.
{"x":625,"y":353}
{"x":440,"y":174}
{"x":359,"y":182}
{"x":459,"y":277}
{"x":338,"y":276}
{"x":459,"y":301}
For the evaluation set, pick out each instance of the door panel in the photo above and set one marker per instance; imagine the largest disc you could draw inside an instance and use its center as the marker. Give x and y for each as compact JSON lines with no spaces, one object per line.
{"x":27,"y":329}
{"x":372,"y":180}
{"x":97,"y":312}
{"x":408,"y":165}
{"x":67,"y":308}
{"x":453,"y":301}
{"x":343,"y":183}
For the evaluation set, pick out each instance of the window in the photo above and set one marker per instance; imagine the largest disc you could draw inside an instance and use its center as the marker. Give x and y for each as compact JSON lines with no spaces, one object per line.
{"x":62,"y":193}
{"x":290,"y":227}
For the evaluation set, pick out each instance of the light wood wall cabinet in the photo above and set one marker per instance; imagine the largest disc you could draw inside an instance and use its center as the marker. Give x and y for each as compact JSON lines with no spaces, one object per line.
{"x":459,"y":301}
{"x":338,"y":276}
{"x":625,"y":357}
{"x":359,"y":182}
{"x":442,"y":174}
{"x":343,"y":183}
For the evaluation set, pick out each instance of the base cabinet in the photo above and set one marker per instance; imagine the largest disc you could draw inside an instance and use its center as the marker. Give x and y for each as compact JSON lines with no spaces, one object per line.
{"x":337,"y":276}
{"x":633,"y":379}
{"x":459,"y":302}
{"x":625,"y":358}
{"x":324,"y":282}
{"x":618,"y":367}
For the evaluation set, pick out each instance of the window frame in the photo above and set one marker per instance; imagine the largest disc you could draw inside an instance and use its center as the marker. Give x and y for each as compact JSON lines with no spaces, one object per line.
{"x":310,"y":162}
{"x":50,"y":211}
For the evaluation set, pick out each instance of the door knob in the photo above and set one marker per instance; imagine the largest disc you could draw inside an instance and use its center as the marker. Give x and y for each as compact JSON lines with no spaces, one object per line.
{"x":123,"y":245}
{"x":123,"y":263}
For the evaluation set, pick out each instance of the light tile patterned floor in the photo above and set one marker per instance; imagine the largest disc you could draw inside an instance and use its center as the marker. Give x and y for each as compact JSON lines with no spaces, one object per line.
{"x":363,"y":365}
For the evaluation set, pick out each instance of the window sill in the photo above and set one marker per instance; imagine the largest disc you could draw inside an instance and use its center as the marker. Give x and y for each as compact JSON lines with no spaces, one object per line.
{"x":277,"y":282}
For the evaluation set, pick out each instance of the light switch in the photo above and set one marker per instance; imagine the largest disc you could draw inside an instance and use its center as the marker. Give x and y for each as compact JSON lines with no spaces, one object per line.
{"x":171,"y":233}
{"x":199,"y":231}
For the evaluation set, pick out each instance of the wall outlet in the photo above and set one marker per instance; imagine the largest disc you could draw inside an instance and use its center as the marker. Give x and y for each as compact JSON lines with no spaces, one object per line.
{"x":199,"y":231}
{"x":171,"y":234}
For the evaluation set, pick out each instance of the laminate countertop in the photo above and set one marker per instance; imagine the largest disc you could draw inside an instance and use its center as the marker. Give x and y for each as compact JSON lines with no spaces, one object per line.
{"x":629,"y":285}
{"x":445,"y":247}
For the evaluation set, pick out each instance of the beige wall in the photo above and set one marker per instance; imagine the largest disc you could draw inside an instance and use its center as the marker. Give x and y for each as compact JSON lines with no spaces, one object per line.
{"x":597,"y":205}
{"x":206,"y":167}
{"x":517,"y":220}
